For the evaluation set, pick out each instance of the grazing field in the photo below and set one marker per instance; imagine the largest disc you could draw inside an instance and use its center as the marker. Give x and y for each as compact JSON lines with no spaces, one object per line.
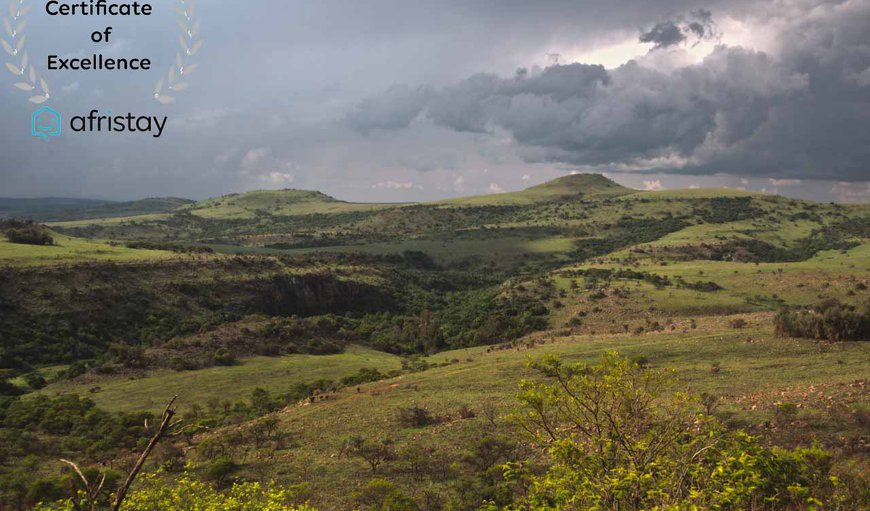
{"x":68,"y":250}
{"x":757,"y":372}
{"x":152,"y":390}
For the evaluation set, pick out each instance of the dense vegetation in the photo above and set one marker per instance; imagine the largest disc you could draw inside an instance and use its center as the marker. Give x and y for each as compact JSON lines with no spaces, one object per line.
{"x":830,"y":320}
{"x":67,"y":426}
{"x":615,"y":435}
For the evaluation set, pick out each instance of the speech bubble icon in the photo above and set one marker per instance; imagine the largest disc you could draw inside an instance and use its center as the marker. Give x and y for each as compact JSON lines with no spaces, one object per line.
{"x":45,"y":123}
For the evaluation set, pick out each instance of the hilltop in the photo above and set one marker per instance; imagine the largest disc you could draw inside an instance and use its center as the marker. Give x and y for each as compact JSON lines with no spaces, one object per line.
{"x":547,"y":222}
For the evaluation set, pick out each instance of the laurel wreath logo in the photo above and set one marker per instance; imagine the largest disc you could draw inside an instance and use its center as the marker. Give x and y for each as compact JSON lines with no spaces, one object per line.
{"x":14,"y":24}
{"x":189,"y":44}
{"x":189,"y":41}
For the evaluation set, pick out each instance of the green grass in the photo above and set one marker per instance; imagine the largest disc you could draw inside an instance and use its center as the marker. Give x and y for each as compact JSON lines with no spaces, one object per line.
{"x":506,"y":248}
{"x":277,"y":374}
{"x":694,"y":193}
{"x":743,"y":230}
{"x":276,"y":202}
{"x":579,"y":185}
{"x":156,"y":217}
{"x":830,"y":274}
{"x":752,"y":376}
{"x":72,"y":250}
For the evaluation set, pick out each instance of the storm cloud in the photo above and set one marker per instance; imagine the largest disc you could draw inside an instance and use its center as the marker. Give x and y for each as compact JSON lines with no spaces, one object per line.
{"x":698,"y":24}
{"x":801,"y":113}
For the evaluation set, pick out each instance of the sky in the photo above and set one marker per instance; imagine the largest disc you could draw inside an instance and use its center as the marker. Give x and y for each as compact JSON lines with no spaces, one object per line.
{"x":407,"y":100}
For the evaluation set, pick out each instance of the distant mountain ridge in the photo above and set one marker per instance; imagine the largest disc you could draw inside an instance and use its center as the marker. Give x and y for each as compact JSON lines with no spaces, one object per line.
{"x":39,"y":207}
{"x":62,"y":209}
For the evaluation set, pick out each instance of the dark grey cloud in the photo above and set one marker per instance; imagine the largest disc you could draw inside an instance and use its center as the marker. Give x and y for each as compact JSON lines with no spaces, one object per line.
{"x":804,"y":113}
{"x":393,"y":109}
{"x":664,"y":34}
{"x":698,"y":25}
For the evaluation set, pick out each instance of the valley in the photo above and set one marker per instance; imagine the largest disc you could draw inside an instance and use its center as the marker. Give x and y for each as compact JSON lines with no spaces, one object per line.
{"x":358,"y":353}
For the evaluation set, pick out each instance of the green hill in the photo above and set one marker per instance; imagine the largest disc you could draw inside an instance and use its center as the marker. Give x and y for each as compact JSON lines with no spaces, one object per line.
{"x":273,"y":202}
{"x":573,"y":217}
{"x":302,"y":333}
{"x":576,"y":186}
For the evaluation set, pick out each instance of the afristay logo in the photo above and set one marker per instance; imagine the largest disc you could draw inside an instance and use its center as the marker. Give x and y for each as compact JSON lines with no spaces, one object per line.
{"x":46,"y":123}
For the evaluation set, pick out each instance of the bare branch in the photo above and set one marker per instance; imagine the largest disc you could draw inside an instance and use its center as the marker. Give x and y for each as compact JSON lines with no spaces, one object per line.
{"x":165,"y":425}
{"x":78,"y":471}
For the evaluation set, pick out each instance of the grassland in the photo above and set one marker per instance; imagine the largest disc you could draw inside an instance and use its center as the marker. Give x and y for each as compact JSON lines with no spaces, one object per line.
{"x":68,"y":250}
{"x":754,"y":377}
{"x":152,"y":390}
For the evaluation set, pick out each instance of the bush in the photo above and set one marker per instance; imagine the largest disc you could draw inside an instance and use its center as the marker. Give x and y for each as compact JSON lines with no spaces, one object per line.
{"x":652,"y":448}
{"x":35,"y":381}
{"x":153,"y":493}
{"x":219,"y":471}
{"x":373,"y":453}
{"x":829,"y":320}
{"x":223,"y":357}
{"x":737,"y":324}
{"x":416,"y":417}
{"x":364,"y":375}
{"x":31,"y":234}
{"x":382,"y":495}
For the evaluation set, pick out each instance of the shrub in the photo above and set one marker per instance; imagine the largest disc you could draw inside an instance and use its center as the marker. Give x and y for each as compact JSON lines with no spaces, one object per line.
{"x":153,"y":493}
{"x":830,"y":320}
{"x":619,"y":437}
{"x":737,"y":324}
{"x":466,"y":412}
{"x":416,"y":417}
{"x":223,"y":357}
{"x":219,"y":471}
{"x":30,"y":234}
{"x":364,"y":375}
{"x":382,"y":495}
{"x":373,"y":453}
{"x":35,"y":381}
{"x":785,"y":413}
{"x":640,"y":361}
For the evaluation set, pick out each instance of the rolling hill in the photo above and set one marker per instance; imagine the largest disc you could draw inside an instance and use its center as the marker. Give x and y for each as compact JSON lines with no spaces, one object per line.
{"x":294,"y":326}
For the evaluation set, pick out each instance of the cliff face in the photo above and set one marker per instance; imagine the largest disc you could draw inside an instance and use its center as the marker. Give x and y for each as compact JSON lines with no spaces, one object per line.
{"x":58,"y":314}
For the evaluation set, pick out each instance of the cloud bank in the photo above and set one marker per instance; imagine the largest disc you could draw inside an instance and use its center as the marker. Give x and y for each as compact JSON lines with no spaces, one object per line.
{"x":800,"y":113}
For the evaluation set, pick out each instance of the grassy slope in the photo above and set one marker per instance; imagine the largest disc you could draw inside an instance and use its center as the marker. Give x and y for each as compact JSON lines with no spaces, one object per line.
{"x":276,"y":202}
{"x":62,"y":210}
{"x":752,"y":377}
{"x":278,"y":374}
{"x":585,"y":185}
{"x":747,"y":287}
{"x":300,"y":202}
{"x":71,"y":250}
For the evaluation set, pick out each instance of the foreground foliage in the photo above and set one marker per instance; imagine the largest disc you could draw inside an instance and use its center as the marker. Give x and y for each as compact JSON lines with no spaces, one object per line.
{"x":619,"y":437}
{"x":188,"y":494}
